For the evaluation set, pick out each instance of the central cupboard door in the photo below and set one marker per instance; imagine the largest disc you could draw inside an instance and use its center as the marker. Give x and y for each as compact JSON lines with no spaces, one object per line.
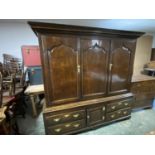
{"x":62,"y":76}
{"x":94,"y":55}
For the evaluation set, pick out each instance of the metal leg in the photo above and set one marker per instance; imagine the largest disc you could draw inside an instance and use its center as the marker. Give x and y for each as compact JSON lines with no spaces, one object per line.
{"x":33,"y":105}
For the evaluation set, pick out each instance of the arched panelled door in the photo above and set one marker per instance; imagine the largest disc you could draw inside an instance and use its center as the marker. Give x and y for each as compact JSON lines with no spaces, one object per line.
{"x":120,"y":66}
{"x":63,"y":61}
{"x":94,"y":57}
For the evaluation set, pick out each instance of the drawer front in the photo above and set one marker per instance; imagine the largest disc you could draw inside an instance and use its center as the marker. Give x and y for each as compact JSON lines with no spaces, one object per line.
{"x":119,"y":105}
{"x":143,"y":87}
{"x":67,"y":127}
{"x":65,"y":117}
{"x":118,"y":114}
{"x":96,"y":115}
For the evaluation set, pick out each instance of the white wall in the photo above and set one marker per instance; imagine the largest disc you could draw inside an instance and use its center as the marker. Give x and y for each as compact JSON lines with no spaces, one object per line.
{"x":13,"y":36}
{"x":153,"y":45}
{"x":143,"y":53}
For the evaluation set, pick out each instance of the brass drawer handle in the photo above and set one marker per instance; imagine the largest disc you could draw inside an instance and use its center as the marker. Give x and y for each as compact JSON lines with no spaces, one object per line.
{"x":125,"y":112}
{"x":103,"y":117}
{"x":103,"y":108}
{"x":76,"y":125}
{"x":76,"y":115}
{"x":119,"y":112}
{"x":120,"y":103}
{"x":66,"y":116}
{"x":58,"y":130}
{"x":113,"y":107}
{"x":67,"y":125}
{"x":126,"y":104}
{"x":88,"y":116}
{"x":112,"y":116}
{"x":56,"y":119}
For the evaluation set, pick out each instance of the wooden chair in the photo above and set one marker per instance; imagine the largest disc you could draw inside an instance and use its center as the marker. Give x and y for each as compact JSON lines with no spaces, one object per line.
{"x":1,"y":89}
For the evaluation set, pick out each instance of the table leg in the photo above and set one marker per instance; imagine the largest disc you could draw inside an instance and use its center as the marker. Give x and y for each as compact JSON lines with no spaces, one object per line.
{"x":33,"y":105}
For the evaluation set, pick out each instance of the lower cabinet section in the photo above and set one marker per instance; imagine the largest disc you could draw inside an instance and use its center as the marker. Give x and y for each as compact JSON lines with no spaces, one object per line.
{"x":85,"y":117}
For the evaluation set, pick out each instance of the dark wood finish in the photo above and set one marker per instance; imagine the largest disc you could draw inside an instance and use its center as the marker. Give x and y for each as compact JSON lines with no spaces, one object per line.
{"x":64,"y":117}
{"x":96,"y":115}
{"x":94,"y":66}
{"x":143,"y":87}
{"x":78,"y":75}
{"x":119,"y":105}
{"x":120,"y":66}
{"x":50,"y":28}
{"x":67,"y":127}
{"x":153,"y":54}
{"x":62,"y":70}
{"x":118,"y":114}
{"x":93,"y":114}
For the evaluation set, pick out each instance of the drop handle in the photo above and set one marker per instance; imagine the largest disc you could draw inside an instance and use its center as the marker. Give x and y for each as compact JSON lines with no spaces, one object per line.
{"x":56,"y":119}
{"x":78,"y":68}
{"x":66,"y":116}
{"x":110,"y":66}
{"x":76,"y":115}
{"x":58,"y":130}
{"x":76,"y":125}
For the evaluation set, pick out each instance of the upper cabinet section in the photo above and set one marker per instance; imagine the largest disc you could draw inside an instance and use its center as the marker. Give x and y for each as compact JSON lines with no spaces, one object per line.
{"x":82,"y":63}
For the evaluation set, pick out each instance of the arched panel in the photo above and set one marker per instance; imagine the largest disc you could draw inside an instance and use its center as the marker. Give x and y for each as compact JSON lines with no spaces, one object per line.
{"x":63,"y":61}
{"x":120,"y":66}
{"x":94,"y":72}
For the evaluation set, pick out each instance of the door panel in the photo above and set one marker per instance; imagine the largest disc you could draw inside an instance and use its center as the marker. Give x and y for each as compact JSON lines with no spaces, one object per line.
{"x":94,"y":69}
{"x":63,"y":61}
{"x":95,"y":115}
{"x":120,"y":67}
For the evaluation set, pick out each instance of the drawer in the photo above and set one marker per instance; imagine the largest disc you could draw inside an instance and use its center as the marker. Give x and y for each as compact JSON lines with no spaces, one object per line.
{"x":119,"y":105}
{"x":96,"y":115}
{"x":64,"y":117}
{"x":67,"y":127}
{"x":143,"y":87}
{"x":118,"y":114}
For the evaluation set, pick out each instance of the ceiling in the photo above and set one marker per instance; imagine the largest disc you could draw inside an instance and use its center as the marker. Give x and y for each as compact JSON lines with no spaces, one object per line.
{"x":144,"y":25}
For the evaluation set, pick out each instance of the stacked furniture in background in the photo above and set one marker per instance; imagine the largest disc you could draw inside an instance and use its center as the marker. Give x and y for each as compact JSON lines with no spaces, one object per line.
{"x":11,"y":99}
{"x":87,"y":76}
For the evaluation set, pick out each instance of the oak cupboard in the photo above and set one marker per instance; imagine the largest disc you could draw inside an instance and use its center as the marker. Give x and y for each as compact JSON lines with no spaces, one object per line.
{"x":87,"y":75}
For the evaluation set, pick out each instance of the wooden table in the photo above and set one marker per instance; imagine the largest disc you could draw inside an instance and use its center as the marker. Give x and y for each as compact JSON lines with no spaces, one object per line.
{"x":32,"y":91}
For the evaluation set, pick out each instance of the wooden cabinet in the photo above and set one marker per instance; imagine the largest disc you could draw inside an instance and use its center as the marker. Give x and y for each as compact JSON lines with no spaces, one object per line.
{"x":143,"y":87}
{"x":87,"y":75}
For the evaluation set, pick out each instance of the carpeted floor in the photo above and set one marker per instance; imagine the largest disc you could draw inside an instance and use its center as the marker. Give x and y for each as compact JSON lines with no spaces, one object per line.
{"x":141,"y":122}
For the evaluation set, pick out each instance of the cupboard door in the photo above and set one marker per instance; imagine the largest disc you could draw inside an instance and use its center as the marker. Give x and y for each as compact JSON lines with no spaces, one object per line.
{"x":94,"y":66}
{"x":121,"y":65}
{"x":61,"y":74}
{"x":95,"y":115}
